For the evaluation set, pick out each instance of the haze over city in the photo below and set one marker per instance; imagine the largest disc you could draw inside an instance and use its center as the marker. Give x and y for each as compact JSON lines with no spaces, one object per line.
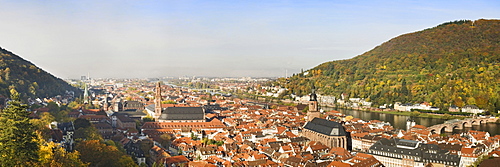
{"x":137,"y":39}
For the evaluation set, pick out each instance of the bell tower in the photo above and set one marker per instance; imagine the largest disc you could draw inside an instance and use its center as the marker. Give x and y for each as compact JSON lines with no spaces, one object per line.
{"x":409,"y":124}
{"x":313,"y":111}
{"x":157,"y":101}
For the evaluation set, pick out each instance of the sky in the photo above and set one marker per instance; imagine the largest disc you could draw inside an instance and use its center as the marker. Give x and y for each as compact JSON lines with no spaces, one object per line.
{"x":261,"y":38}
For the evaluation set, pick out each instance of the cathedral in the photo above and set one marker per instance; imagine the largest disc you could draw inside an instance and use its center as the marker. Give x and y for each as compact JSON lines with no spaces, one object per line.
{"x":176,"y":114}
{"x":329,"y":133}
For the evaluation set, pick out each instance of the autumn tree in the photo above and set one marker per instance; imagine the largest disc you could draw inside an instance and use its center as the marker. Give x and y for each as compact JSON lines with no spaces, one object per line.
{"x":88,"y":133}
{"x":53,"y":155}
{"x":166,"y":139}
{"x":41,"y":125}
{"x":97,"y":153}
{"x":18,"y":140}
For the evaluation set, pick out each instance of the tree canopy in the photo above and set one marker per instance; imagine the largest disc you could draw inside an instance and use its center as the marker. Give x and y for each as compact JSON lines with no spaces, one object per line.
{"x":28,"y":79}
{"x":455,"y":63}
{"x":18,"y":140}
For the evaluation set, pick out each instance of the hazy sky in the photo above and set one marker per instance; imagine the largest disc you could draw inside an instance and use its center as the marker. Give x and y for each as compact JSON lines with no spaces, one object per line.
{"x":142,"y":38}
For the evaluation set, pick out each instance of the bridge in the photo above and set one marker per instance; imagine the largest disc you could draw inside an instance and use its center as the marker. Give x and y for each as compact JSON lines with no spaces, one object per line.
{"x":206,"y":90}
{"x":449,"y":125}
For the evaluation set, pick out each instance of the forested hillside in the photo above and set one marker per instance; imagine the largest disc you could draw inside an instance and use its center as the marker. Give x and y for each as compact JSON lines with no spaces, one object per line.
{"x":455,"y":63}
{"x":28,"y":80}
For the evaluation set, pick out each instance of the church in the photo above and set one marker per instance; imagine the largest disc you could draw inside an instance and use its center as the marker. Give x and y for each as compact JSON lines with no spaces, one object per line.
{"x":176,"y":119}
{"x":329,"y":133}
{"x":176,"y":114}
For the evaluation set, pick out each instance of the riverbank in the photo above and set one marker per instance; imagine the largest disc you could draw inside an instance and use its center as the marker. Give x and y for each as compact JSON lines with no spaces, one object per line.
{"x":406,"y":113}
{"x":415,"y":114}
{"x":422,"y":115}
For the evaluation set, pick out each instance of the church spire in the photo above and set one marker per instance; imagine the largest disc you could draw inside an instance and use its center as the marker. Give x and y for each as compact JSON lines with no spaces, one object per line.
{"x":86,"y":94}
{"x":313,"y":111}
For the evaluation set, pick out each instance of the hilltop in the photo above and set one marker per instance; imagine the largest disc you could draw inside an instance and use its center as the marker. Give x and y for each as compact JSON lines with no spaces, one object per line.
{"x":28,"y":79}
{"x":455,"y":63}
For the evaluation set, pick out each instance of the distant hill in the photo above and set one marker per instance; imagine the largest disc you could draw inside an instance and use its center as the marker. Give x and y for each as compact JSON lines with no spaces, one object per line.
{"x":28,"y":79}
{"x":455,"y":63}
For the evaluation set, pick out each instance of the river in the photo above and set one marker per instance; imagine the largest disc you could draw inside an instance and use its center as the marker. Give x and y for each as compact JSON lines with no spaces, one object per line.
{"x":399,"y":121}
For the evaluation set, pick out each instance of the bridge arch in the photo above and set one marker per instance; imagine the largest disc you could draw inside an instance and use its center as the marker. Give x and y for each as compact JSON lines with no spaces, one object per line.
{"x":442,"y":129}
{"x":467,"y":124}
{"x":450,"y":128}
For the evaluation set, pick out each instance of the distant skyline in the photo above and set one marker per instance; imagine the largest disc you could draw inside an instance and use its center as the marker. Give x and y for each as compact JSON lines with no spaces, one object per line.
{"x":142,"y":39}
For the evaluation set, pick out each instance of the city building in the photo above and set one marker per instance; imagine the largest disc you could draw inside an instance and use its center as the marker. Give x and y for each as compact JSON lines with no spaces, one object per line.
{"x":406,"y":153}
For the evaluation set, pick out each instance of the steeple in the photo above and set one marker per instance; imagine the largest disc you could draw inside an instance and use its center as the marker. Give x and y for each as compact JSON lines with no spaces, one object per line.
{"x":158,"y":108}
{"x":313,"y":100}
{"x":313,"y":111}
{"x":86,"y":94}
{"x":410,"y":122}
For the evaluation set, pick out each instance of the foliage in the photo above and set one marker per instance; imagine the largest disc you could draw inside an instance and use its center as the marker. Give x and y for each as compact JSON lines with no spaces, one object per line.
{"x":442,"y":112}
{"x":81,"y":123}
{"x":479,"y":160}
{"x":41,"y":125}
{"x":28,"y":79}
{"x":207,"y":141}
{"x":88,"y":133}
{"x":166,"y":139}
{"x":145,"y":146}
{"x":52,"y":154}
{"x":148,"y":119}
{"x":305,"y":109}
{"x":168,"y":102}
{"x":456,"y":63}
{"x":97,"y":153}
{"x":18,"y":140}
{"x":84,"y":130}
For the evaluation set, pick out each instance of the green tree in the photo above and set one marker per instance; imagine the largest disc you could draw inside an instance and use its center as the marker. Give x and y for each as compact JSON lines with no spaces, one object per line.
{"x":88,"y":133}
{"x":81,"y":123}
{"x":18,"y":140}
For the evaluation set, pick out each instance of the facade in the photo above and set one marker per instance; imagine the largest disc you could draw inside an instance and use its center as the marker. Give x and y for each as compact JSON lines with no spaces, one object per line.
{"x":329,"y":133}
{"x":124,"y":122}
{"x":400,"y":152}
{"x":363,"y":143}
{"x":472,"y":109}
{"x":133,"y":105}
{"x":156,"y":129}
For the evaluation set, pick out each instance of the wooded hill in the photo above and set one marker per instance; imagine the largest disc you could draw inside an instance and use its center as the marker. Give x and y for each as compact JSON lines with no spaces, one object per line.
{"x":28,"y":79}
{"x":455,"y":63}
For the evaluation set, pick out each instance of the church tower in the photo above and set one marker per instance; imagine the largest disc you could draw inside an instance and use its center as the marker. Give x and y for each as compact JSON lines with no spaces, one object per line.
{"x":409,"y":124}
{"x":157,"y":101}
{"x":313,"y":111}
{"x":86,"y":94}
